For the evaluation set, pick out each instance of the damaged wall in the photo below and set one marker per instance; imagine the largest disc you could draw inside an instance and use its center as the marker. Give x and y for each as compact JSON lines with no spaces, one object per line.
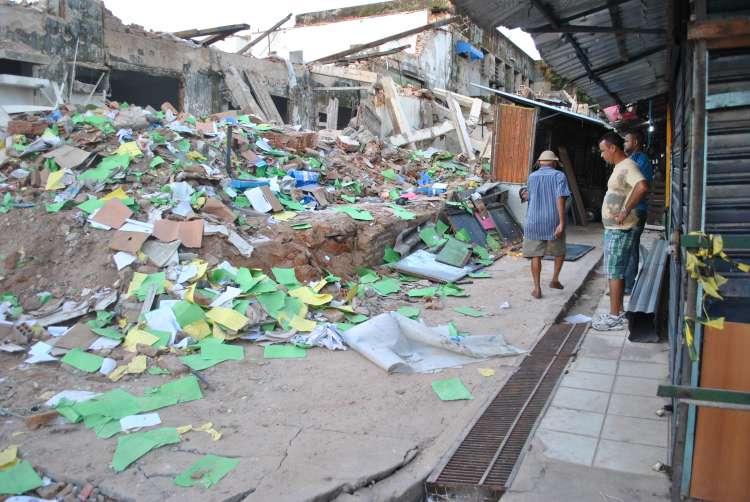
{"x":105,"y":42}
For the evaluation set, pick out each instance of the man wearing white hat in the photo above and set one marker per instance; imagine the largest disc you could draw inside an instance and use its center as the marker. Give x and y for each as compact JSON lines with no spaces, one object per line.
{"x":544,"y":231}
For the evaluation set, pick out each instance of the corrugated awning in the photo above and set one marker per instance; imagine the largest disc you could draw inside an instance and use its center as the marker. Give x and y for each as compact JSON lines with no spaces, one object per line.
{"x":614,"y":50}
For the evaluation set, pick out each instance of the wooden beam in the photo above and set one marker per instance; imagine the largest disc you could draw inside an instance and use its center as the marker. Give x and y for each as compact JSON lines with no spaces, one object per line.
{"x":264,"y":35}
{"x":583,"y":13}
{"x":460,"y":124}
{"x":573,"y":184}
{"x":342,"y":88}
{"x":616,"y":66}
{"x":423,"y":134}
{"x":263,"y":97}
{"x":218,"y":37}
{"x":464,"y":101}
{"x":720,"y":28}
{"x":729,"y":42}
{"x":616,"y":18}
{"x":372,"y":55}
{"x":391,"y":38}
{"x":230,"y":28}
{"x":572,"y":28}
{"x":400,"y":122}
{"x":345,"y":72}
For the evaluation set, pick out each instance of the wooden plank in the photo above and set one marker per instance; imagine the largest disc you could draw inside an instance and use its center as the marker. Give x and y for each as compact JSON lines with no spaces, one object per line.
{"x":423,"y":134}
{"x":230,"y":28}
{"x":729,"y":42}
{"x":344,"y":72}
{"x":573,"y":184}
{"x":719,"y":28}
{"x":400,"y":122}
{"x":270,"y":30}
{"x":342,"y":88}
{"x":381,"y":41}
{"x":721,"y":455}
{"x":460,"y":124}
{"x":332,"y":113}
{"x":362,"y":57}
{"x":464,"y":101}
{"x":241,"y":94}
{"x":263,"y":97}
{"x":475,"y":113}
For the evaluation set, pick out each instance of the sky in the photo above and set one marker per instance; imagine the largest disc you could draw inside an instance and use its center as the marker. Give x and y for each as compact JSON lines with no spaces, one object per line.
{"x":176,"y":15}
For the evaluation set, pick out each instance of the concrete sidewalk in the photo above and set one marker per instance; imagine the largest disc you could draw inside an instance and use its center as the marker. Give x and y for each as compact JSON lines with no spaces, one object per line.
{"x":600,"y":436}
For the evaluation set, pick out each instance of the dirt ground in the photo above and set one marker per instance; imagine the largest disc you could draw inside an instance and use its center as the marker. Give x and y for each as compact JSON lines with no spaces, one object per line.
{"x":318,"y":428}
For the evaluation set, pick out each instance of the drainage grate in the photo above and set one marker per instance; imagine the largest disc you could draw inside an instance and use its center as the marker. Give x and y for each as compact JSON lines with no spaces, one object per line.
{"x":484,"y":462}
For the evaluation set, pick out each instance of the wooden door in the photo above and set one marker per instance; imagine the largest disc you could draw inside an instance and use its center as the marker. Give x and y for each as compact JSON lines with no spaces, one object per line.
{"x":513,"y":145}
{"x":721,"y":458}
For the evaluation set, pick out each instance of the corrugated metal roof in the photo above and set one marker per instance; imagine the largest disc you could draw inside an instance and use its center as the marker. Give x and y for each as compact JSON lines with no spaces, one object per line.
{"x":640,"y":79}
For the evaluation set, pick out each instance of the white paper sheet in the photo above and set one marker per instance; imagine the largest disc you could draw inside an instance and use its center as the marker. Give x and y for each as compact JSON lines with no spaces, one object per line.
{"x":104,"y":343}
{"x":39,"y":353}
{"x":138,"y":421}
{"x":577,"y":319}
{"x":123,"y":259}
{"x":77,"y":396}
{"x":258,"y":200}
{"x":108,"y":366}
{"x":226,"y":297}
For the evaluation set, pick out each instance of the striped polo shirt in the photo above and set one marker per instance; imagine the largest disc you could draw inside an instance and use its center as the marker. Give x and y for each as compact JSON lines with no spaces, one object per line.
{"x":545,"y":185}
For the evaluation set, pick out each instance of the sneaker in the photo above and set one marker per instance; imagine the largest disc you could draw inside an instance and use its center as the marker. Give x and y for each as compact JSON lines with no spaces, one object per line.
{"x":609,"y":322}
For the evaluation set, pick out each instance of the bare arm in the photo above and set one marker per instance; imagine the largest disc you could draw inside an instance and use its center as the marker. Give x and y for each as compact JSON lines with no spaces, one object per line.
{"x":639,"y":192}
{"x":561,"y":212}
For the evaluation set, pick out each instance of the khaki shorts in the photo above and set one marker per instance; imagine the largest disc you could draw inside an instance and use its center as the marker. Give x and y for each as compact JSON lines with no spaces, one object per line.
{"x":532,"y":248}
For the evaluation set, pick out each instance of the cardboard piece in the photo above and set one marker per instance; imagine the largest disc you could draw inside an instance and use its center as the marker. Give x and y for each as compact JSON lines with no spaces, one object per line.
{"x":113,"y":214}
{"x":79,"y":336}
{"x":320,"y":194}
{"x":218,"y":209}
{"x":130,"y":242}
{"x":160,"y":253}
{"x":190,"y":233}
{"x":68,"y":157}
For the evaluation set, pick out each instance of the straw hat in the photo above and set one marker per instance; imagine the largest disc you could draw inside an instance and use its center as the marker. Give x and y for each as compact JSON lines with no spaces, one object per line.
{"x":548,"y":155}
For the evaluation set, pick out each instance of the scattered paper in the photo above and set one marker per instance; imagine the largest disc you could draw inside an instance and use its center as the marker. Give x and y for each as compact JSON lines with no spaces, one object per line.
{"x":123,"y":259}
{"x":74,"y":396}
{"x":207,"y":471}
{"x":226,"y":297}
{"x":82,"y":360}
{"x":451,"y":389}
{"x":228,"y":318}
{"x":104,"y":343}
{"x":133,"y":446}
{"x":283,"y":351}
{"x":40,"y":353}
{"x":468,"y":311}
{"x":138,"y":421}
{"x":486,"y":372}
{"x":505,"y":305}
{"x":108,"y":365}
{"x":355,"y":212}
{"x":19,"y":479}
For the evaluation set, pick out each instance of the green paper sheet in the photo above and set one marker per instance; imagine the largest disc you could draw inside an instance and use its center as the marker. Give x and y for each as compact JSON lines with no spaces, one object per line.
{"x":389,"y":174}
{"x":272,"y":302}
{"x":368,"y":277}
{"x":283,"y":351}
{"x":410,"y":312}
{"x":156,"y":279}
{"x":430,"y":237}
{"x":349,"y":198}
{"x":19,"y":479}
{"x":177,"y":391}
{"x":356,"y":318}
{"x":441,"y":227}
{"x":481,"y":252}
{"x":264,"y":286}
{"x":355,"y":213}
{"x":133,"y":446}
{"x":110,"y":332}
{"x":245,"y":279}
{"x":187,"y":313}
{"x":402,"y":213}
{"x":452,"y":290}
{"x":83,"y":360}
{"x":155,"y":370}
{"x":463,"y":235}
{"x":468,"y":311}
{"x":451,"y":389}
{"x":212,"y":469}
{"x":387,"y":286}
{"x":285,"y":276}
{"x":58,"y":206}
{"x":90,"y":205}
{"x":390,"y":255}
{"x":479,"y":275}
{"x":106,"y":168}
{"x":493,"y":243}
{"x":155,"y":162}
{"x":422,"y":292}
{"x":215,"y":349}
{"x":163,"y":337}
{"x":301,"y":226}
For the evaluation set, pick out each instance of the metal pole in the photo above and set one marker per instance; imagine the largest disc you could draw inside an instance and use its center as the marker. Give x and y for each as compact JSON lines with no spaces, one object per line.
{"x":228,"y":163}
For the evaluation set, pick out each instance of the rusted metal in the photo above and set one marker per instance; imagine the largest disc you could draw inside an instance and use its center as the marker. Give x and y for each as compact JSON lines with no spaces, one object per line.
{"x":515,"y":132}
{"x":484,"y":462}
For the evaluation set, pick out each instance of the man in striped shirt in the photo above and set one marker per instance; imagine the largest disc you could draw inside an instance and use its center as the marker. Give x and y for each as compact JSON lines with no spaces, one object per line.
{"x":544,"y":232}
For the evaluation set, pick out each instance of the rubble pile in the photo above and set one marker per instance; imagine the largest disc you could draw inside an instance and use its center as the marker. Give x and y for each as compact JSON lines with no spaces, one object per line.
{"x":197,"y":214}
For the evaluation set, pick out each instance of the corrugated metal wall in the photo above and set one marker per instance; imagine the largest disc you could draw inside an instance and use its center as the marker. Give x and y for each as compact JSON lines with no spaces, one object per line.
{"x":514,"y":143}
